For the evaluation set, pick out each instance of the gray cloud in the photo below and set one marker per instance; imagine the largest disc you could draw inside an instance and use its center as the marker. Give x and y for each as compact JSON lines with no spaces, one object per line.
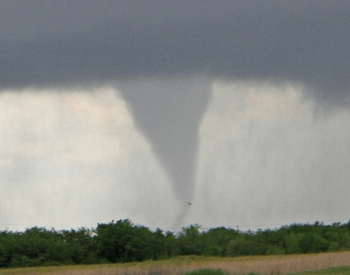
{"x":62,"y":43}
{"x":45,"y":43}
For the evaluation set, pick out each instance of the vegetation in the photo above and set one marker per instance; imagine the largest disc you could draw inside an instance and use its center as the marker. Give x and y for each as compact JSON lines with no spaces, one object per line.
{"x":319,"y":263}
{"x":206,"y":271}
{"x":123,"y":241}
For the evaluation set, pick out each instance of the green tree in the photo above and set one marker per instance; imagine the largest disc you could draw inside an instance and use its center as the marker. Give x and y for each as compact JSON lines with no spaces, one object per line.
{"x":216,"y":240}
{"x":122,"y":242}
{"x":190,"y":241}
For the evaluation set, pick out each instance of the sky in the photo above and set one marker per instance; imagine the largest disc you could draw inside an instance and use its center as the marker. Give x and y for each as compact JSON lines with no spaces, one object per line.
{"x":134,"y":109}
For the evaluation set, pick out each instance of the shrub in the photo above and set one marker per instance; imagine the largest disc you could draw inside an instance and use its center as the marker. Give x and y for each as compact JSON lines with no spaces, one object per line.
{"x":212,"y":250}
{"x":206,"y":271}
{"x":274,"y":250}
{"x":124,"y":242}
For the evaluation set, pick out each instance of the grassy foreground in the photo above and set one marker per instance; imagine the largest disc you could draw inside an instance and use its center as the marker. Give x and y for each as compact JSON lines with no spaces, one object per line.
{"x":334,"y":262}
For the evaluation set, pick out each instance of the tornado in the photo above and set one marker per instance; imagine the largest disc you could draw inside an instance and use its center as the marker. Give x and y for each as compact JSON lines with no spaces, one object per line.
{"x":168,"y":112}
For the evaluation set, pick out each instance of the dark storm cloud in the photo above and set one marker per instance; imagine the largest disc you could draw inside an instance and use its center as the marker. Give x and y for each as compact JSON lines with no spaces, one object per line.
{"x":74,"y":42}
{"x":155,"y":51}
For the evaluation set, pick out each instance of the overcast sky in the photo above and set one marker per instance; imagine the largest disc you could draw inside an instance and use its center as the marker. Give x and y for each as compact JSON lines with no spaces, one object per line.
{"x":132,"y":109}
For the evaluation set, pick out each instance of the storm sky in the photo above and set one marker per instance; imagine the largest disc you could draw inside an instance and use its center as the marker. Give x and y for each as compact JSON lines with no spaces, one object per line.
{"x":132,"y":109}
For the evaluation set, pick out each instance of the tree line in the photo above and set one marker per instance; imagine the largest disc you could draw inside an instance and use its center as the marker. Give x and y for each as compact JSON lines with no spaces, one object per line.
{"x":123,"y":241}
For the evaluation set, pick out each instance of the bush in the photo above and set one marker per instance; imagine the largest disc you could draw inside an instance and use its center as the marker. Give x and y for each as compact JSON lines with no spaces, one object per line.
{"x":124,"y":242}
{"x":206,"y":271}
{"x":190,"y":241}
{"x":312,"y":242}
{"x":308,"y":242}
{"x":274,"y":250}
{"x":246,"y":245}
{"x":212,"y":250}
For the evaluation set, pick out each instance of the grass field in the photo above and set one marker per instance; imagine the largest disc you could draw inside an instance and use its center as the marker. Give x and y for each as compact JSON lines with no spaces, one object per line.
{"x":281,"y":264}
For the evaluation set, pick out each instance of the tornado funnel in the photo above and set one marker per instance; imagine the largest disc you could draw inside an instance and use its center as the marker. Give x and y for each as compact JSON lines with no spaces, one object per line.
{"x":168,"y":113}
